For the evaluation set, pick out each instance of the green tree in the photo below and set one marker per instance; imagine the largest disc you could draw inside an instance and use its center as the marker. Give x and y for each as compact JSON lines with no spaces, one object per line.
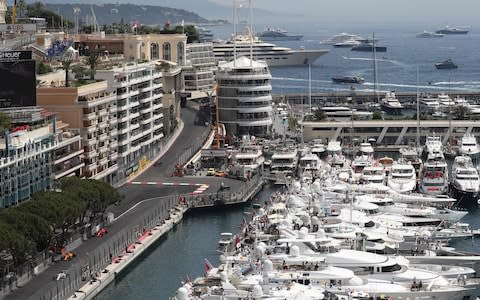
{"x":5,"y":122}
{"x":461,"y":112}
{"x":79,"y":71}
{"x":377,"y":115}
{"x":319,"y":114}
{"x":66,"y":64}
{"x":15,"y":244}
{"x":93,"y":60}
{"x":42,"y":68}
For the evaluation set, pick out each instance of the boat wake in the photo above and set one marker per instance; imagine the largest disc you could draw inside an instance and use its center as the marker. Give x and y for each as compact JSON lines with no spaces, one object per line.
{"x":413,"y":86}
{"x":299,"y":79}
{"x":456,"y":83}
{"x":395,"y":62}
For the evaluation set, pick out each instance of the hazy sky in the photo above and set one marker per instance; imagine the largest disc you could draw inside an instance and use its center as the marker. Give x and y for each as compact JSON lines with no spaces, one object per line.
{"x":435,"y":12}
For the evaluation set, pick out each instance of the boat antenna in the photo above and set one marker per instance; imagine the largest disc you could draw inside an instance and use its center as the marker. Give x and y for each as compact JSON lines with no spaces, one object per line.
{"x":310,"y":88}
{"x":418,"y":115}
{"x":251,"y":31}
{"x":234,"y":32}
{"x":375,"y":96}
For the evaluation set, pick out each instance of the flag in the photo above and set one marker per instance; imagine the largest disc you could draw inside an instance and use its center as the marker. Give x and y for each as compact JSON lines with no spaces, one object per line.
{"x":208,"y":266}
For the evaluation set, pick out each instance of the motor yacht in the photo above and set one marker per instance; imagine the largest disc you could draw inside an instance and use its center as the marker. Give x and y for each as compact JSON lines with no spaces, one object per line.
{"x":248,"y":160}
{"x":446,"y":65}
{"x":277,"y":34}
{"x":342,"y":38}
{"x":434,"y":177}
{"x":433,"y":144}
{"x":465,"y":182}
{"x":469,"y":146}
{"x":402,"y":178}
{"x":451,"y":30}
{"x":429,"y":104}
{"x":390,"y":104}
{"x":284,"y":164}
{"x":273,"y":55}
{"x":347,"y":44}
{"x":429,"y":34}
{"x":348,"y":79}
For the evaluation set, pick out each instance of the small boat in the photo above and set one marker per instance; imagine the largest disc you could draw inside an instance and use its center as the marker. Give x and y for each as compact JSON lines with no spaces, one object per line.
{"x":429,"y":34}
{"x":348,"y":79}
{"x":446,"y":65}
{"x":451,"y":30}
{"x":347,"y":44}
{"x":469,"y":146}
{"x":368,"y":47}
{"x":465,"y":181}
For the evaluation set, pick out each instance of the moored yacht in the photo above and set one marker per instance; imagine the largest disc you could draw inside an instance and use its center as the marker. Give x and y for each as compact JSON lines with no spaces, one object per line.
{"x":465,"y":182}
{"x":390,"y":104}
{"x":469,"y":146}
{"x":429,"y":104}
{"x":402,"y":178}
{"x":248,"y":160}
{"x":434,"y":178}
{"x":284,"y":164}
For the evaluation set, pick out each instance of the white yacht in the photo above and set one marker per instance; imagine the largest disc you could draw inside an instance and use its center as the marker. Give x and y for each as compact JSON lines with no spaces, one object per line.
{"x":465,"y":182}
{"x":390,"y":104}
{"x":284,"y":164}
{"x":347,"y":44}
{"x":374,"y":175}
{"x":342,"y":113}
{"x":402,"y":178}
{"x":469,"y":146}
{"x":429,"y":34}
{"x":366,"y":149}
{"x":342,"y":38}
{"x":434,"y":177}
{"x":433,"y":144}
{"x":309,"y":166}
{"x":270,"y":53}
{"x":248,"y":159}
{"x":429,"y":104}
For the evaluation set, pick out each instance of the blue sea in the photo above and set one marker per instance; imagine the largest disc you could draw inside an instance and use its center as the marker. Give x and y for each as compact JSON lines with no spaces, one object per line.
{"x":396,"y":68}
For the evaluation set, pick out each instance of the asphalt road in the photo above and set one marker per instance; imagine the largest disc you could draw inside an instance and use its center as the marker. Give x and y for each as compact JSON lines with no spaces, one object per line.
{"x":134,"y":194}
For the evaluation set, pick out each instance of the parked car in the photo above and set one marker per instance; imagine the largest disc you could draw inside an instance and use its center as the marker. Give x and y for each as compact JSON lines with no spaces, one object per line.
{"x":211,"y":172}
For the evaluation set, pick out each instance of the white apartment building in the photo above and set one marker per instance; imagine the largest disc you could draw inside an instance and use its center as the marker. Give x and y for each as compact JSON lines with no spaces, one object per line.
{"x":198,"y":73}
{"x":139,"y":112}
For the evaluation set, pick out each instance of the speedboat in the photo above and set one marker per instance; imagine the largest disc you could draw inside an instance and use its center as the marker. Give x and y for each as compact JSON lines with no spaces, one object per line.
{"x":391,"y":104}
{"x":465,"y":182}
{"x":429,"y":34}
{"x":347,"y":44}
{"x":348,"y":79}
{"x":446,"y":65}
{"x":342,"y":37}
{"x":451,"y":30}
{"x":402,"y":178}
{"x":469,"y":146}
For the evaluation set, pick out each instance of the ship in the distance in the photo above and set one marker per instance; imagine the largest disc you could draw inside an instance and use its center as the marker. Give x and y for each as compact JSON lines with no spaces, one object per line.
{"x":273,"y":55}
{"x":272,"y":34}
{"x":451,"y":30}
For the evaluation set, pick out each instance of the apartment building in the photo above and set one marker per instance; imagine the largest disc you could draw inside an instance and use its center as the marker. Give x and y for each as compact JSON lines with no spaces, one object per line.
{"x":26,"y":155}
{"x":139,"y":112}
{"x":167,"y":47}
{"x":92,"y":109}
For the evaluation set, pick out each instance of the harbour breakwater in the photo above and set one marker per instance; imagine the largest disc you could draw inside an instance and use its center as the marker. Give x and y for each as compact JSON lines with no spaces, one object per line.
{"x":92,"y":274}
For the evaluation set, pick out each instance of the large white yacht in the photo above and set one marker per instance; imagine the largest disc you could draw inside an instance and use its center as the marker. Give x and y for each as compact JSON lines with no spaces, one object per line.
{"x":429,"y":104}
{"x":273,"y":55}
{"x":465,"y":182}
{"x":402,"y":178}
{"x":434,"y":178}
{"x":284,"y":164}
{"x":248,"y":159}
{"x":342,"y":38}
{"x":390,"y":104}
{"x":469,"y":146}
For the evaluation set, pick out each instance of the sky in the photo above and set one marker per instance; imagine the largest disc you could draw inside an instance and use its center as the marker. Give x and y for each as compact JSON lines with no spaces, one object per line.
{"x":435,"y":12}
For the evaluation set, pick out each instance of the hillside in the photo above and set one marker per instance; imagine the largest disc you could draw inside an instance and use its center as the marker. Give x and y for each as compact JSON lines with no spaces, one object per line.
{"x":115,"y":13}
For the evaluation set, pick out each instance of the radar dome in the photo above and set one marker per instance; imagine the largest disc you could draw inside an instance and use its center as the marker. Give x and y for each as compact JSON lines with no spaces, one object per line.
{"x":182,"y":294}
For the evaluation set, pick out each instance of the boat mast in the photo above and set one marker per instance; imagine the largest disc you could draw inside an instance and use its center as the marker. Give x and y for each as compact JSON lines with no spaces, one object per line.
{"x":375,"y":96}
{"x":251,"y":31}
{"x":310,"y":88}
{"x":418,"y":116}
{"x":234,"y":32}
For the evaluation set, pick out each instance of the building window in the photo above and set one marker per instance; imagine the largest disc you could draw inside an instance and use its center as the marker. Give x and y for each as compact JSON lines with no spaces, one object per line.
{"x":154,"y":53}
{"x":180,"y":53}
{"x":166,"y":51}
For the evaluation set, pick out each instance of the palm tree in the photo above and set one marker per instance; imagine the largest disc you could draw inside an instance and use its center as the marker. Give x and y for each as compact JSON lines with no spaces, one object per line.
{"x":66,"y":66}
{"x":93,"y":60}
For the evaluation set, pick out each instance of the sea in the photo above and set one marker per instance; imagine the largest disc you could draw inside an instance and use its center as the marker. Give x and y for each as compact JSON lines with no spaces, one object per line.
{"x":181,"y":254}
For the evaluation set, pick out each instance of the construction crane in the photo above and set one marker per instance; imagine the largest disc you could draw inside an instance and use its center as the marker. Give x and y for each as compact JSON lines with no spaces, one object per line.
{"x":217,"y":122}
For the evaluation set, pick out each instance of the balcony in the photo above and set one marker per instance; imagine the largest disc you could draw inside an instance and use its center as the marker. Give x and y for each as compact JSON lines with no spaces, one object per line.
{"x":113,"y":156}
{"x":103,"y":112}
{"x":103,"y":125}
{"x":134,"y":115}
{"x":146,"y":110}
{"x":124,"y":130}
{"x":103,"y":137}
{"x":146,"y":100}
{"x":157,"y":106}
{"x":103,"y":161}
{"x":91,"y":167}
{"x":66,"y":155}
{"x":146,"y":120}
{"x":90,"y":116}
{"x":113,"y":144}
{"x":102,"y":149}
{"x":157,"y":126}
{"x":123,"y":118}
{"x":91,"y":154}
{"x":134,"y":126}
{"x":68,"y":168}
{"x":124,"y":142}
{"x":89,"y":141}
{"x":113,"y":132}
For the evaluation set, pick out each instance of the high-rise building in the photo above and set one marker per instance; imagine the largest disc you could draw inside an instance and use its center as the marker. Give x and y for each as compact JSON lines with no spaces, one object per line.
{"x":3,"y":11}
{"x":244,"y":97}
{"x":198,"y":73}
